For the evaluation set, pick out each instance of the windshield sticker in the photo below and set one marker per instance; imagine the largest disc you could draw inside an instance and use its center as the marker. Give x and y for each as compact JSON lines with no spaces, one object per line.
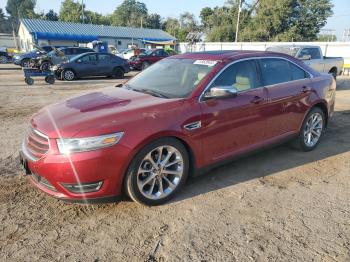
{"x":208,"y":63}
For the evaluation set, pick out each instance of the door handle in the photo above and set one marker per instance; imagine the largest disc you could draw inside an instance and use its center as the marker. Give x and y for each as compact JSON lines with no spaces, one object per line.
{"x":305,"y":89}
{"x":256,"y":100}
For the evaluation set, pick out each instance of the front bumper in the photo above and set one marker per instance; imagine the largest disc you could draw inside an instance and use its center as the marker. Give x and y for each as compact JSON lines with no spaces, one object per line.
{"x":53,"y":172}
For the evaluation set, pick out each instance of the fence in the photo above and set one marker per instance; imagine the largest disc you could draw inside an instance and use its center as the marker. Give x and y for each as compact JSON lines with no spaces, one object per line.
{"x":340,"y":49}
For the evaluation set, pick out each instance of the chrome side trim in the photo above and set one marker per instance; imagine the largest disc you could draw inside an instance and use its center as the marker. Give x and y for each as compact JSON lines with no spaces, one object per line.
{"x":193,"y":126}
{"x":247,"y":59}
{"x":27,"y":154}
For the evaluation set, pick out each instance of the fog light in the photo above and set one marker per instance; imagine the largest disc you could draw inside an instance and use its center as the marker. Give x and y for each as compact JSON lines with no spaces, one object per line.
{"x":83,"y":188}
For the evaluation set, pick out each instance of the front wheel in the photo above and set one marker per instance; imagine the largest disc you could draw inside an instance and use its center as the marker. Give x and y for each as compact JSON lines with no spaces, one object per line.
{"x":118,"y":73}
{"x":145,"y":65}
{"x":45,"y":66}
{"x":157,"y":172}
{"x":3,"y":59}
{"x":311,"y":130}
{"x":68,"y":75}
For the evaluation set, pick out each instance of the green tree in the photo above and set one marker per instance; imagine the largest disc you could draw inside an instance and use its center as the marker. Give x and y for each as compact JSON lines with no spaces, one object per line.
{"x":153,"y":21}
{"x":5,"y":25}
{"x":288,"y":20}
{"x":130,"y":13}
{"x":18,"y":9}
{"x":205,"y":15}
{"x":70,"y":11}
{"x":51,"y":15}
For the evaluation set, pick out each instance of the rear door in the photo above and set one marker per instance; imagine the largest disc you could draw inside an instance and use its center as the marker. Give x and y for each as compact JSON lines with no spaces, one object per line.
{"x":288,"y":87}
{"x":104,"y":66}
{"x":87,"y":66}
{"x":234,"y":125}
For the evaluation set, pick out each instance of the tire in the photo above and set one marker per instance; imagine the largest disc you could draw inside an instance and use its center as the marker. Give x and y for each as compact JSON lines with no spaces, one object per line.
{"x":302,"y":141}
{"x":68,"y":75}
{"x":3,"y":59}
{"x":143,"y":186}
{"x":29,"y":81}
{"x":118,"y":73}
{"x":45,"y":66}
{"x":334,"y":73}
{"x":25,"y":63}
{"x":145,"y":65}
{"x":50,"y":79}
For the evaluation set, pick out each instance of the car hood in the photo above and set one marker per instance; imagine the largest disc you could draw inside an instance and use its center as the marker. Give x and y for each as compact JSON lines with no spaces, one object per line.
{"x":105,"y":111}
{"x":31,"y":55}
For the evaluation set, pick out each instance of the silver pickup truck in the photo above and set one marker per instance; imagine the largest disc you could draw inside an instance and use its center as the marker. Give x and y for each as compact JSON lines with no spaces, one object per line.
{"x":313,"y":57}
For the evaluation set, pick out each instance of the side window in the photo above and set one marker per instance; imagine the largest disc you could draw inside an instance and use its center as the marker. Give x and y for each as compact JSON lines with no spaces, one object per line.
{"x":88,"y":58}
{"x":104,"y":58}
{"x":275,"y":71}
{"x":313,"y":52}
{"x":67,"y":51}
{"x":297,"y":72}
{"x":241,"y":75}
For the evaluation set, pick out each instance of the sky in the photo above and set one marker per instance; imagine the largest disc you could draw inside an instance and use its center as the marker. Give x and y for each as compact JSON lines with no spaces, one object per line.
{"x":172,"y":8}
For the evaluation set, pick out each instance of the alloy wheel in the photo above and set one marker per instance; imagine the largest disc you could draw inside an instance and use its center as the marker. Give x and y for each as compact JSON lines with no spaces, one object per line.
{"x":313,"y":129}
{"x":160,"y":172}
{"x":68,"y":75}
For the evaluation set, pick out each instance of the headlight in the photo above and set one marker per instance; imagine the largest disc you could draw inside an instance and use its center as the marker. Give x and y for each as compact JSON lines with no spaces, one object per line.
{"x":73,"y":145}
{"x":16,"y":57}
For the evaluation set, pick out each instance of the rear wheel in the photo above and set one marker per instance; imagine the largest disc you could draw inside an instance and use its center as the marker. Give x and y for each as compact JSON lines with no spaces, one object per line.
{"x":334,"y":73}
{"x":157,"y":172}
{"x":311,"y":130}
{"x":29,"y":81}
{"x":3,"y":59}
{"x":68,"y":75}
{"x":45,"y":66}
{"x":118,"y":73}
{"x":145,"y":65}
{"x":25,"y":63}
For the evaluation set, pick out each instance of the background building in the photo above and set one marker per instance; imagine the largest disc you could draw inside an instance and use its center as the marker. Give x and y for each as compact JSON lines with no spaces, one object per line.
{"x":43,"y":32}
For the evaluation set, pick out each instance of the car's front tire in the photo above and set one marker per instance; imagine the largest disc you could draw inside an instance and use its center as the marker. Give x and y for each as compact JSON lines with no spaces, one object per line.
{"x":157,"y":172}
{"x":68,"y":75}
{"x":118,"y":73}
{"x":25,"y":63}
{"x":3,"y":59}
{"x":145,"y":65}
{"x":311,"y":130}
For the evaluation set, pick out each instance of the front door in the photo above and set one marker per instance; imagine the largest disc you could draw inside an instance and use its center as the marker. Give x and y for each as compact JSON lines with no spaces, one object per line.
{"x":234,"y":125}
{"x":87,"y":65}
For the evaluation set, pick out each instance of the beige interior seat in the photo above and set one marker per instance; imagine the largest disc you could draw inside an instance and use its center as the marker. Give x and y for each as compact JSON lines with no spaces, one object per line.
{"x":242,"y":82}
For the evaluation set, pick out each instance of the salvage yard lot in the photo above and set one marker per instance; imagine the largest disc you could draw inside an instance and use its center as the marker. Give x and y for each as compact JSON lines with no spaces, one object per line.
{"x":276,"y":205}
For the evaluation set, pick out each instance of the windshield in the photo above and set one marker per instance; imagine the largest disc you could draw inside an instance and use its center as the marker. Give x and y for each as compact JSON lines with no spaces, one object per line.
{"x":292,"y":51}
{"x":146,"y":52}
{"x":171,"y":78}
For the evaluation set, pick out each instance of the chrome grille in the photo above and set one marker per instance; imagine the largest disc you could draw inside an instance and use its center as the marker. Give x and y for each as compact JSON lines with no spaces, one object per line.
{"x":36,"y":144}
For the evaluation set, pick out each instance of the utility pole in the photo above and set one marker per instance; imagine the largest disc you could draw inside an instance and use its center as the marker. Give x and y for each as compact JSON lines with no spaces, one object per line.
{"x":82,"y":11}
{"x":238,"y":17}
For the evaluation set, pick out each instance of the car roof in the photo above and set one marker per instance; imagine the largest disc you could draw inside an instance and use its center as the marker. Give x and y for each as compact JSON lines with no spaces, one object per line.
{"x":222,"y":54}
{"x":295,"y":46}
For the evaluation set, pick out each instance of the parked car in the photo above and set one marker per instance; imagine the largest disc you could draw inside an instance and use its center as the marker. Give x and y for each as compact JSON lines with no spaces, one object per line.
{"x":23,"y":60}
{"x":92,"y":64}
{"x":128,"y":53}
{"x":4,"y":57}
{"x":313,"y":57}
{"x":147,"y":58}
{"x":178,"y":117}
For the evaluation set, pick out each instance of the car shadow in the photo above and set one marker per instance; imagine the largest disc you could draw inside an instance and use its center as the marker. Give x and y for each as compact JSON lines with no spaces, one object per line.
{"x":271,"y":161}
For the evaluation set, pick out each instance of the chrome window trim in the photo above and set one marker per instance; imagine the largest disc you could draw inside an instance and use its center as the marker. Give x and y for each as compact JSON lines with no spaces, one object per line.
{"x":200,"y":99}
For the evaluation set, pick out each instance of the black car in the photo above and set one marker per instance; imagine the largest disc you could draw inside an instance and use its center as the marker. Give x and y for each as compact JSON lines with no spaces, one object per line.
{"x":4,"y":57}
{"x":92,"y":64}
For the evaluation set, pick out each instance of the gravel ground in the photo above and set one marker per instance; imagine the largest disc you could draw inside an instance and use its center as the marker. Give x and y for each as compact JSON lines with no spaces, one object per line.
{"x":278,"y":205}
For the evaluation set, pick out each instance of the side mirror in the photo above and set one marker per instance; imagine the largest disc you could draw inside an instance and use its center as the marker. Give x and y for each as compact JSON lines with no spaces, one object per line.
{"x":306,"y":57}
{"x":221,"y":92}
{"x":79,"y":61}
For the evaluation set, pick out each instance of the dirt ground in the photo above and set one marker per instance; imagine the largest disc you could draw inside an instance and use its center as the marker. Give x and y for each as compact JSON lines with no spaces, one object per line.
{"x":278,"y":205}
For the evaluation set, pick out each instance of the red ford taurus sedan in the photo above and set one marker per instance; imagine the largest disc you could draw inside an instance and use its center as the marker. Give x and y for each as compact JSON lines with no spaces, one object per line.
{"x":181,"y":115}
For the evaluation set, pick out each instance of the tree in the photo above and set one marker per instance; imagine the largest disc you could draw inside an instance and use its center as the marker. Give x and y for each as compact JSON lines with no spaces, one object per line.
{"x":5,"y":25}
{"x":153,"y":21}
{"x":205,"y":15}
{"x":18,"y":9}
{"x":130,"y":13}
{"x":51,"y":15}
{"x":288,"y":20}
{"x":70,"y":11}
